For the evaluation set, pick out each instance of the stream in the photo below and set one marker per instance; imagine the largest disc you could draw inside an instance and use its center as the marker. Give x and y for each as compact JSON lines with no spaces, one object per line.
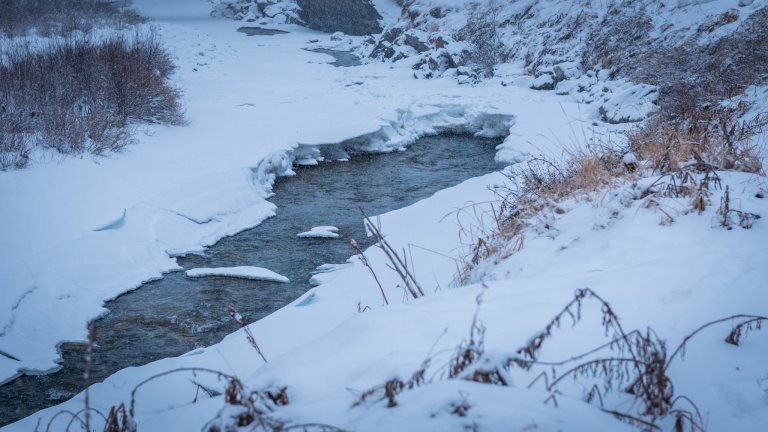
{"x":176,"y":314}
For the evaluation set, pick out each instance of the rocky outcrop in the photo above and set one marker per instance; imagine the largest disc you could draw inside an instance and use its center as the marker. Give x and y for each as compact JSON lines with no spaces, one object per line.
{"x":353,"y":17}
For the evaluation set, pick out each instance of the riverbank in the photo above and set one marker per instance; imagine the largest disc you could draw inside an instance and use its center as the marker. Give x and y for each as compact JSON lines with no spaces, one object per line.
{"x":119,"y":220}
{"x":251,"y":102}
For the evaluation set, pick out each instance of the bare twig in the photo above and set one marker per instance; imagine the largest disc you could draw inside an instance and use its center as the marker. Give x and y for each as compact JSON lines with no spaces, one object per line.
{"x":240,"y":320}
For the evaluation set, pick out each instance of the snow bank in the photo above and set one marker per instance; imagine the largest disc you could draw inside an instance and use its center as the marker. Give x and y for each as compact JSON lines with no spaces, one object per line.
{"x":120,"y":220}
{"x":672,"y":278}
{"x":79,"y":232}
{"x":245,"y":272}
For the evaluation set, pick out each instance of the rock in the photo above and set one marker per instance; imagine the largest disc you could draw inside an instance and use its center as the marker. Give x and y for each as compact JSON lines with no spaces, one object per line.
{"x":436,"y":12}
{"x":629,"y":105}
{"x":545,"y":81}
{"x":415,"y":43}
{"x":559,"y":74}
{"x":353,"y":17}
{"x":383,"y":50}
{"x":392,"y":34}
{"x":338,"y":36}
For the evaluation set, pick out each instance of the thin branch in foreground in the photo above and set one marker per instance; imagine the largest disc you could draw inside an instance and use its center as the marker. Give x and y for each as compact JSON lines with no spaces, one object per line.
{"x":397,"y":263}
{"x":240,"y":320}
{"x":367,"y":264}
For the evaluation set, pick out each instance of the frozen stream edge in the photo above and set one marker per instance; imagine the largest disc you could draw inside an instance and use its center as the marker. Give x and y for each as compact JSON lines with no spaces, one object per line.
{"x":122,"y":254}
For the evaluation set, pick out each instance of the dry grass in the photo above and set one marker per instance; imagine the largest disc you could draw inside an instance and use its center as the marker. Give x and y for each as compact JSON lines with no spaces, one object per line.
{"x":684,"y":156}
{"x":633,"y":364}
{"x":715,"y":136}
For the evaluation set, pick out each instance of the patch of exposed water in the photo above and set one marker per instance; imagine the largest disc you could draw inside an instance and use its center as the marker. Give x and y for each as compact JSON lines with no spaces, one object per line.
{"x":260,"y":31}
{"x":343,"y":58}
{"x":176,"y":314}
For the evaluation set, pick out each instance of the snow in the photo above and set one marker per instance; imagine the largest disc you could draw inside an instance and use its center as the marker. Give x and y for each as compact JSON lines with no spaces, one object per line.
{"x":245,"y":272}
{"x":320,"y":232}
{"x":78,"y":232}
{"x":644,"y":269}
{"x":119,"y":220}
{"x":632,"y":104}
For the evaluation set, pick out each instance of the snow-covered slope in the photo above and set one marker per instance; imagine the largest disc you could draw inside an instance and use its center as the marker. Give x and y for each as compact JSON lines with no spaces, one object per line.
{"x":77,"y":232}
{"x":118,"y":221}
{"x":671,"y":278}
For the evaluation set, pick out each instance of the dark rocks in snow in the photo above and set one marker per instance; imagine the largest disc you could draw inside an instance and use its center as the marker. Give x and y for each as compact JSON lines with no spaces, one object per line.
{"x":392,"y":34}
{"x":434,"y":64}
{"x":415,"y":43}
{"x":353,"y":17}
{"x":544,"y":81}
{"x":383,"y":51}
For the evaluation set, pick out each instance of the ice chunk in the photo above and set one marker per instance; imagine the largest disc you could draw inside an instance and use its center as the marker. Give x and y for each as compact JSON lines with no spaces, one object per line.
{"x":244,"y":272}
{"x":320,"y":232}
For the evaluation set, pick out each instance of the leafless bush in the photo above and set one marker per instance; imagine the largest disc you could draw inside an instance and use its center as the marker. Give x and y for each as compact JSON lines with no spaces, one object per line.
{"x":363,"y":259}
{"x":691,"y":75}
{"x":62,"y":17}
{"x":243,"y":408}
{"x":481,"y":32}
{"x":727,"y":214}
{"x":619,"y":39}
{"x":79,"y":95}
{"x":14,"y":143}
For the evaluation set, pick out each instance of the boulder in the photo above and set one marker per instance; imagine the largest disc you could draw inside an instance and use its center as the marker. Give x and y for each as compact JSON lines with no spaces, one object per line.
{"x":353,"y":17}
{"x":415,"y":43}
{"x":545,"y":81}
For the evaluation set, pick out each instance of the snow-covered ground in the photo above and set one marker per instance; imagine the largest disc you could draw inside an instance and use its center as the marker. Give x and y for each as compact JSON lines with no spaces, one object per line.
{"x":80,"y":231}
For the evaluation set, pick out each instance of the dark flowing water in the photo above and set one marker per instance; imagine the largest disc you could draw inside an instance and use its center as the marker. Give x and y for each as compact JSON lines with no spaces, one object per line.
{"x":176,"y":314}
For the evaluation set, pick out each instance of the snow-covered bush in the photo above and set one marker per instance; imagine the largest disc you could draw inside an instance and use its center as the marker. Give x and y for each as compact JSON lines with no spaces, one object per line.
{"x":56,"y":17}
{"x":677,"y":159}
{"x":691,"y":71}
{"x":82,"y":95}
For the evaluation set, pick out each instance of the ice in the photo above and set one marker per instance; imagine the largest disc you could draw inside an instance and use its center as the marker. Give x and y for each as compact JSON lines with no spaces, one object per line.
{"x":320,"y":232}
{"x":244,"y":272}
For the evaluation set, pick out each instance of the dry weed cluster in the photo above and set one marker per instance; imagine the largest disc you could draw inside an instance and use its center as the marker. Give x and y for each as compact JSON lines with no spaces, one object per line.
{"x":683,"y":155}
{"x":632,"y":363}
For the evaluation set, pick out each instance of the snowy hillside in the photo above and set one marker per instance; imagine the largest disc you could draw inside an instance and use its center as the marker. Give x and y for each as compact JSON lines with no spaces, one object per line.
{"x":613,"y":277}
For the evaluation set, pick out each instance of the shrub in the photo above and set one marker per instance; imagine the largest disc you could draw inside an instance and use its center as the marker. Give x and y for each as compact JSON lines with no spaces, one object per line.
{"x":79,"y":95}
{"x":690,"y":73}
{"x":481,"y":32}
{"x":56,"y":17}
